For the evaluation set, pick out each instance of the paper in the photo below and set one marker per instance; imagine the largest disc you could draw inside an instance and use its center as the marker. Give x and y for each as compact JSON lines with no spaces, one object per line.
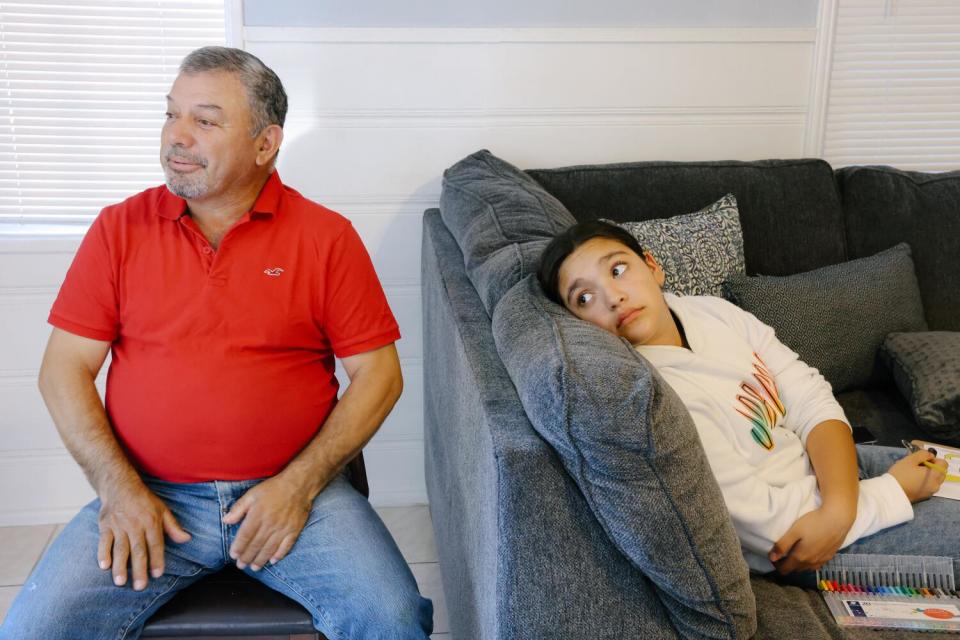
{"x":951,"y":486}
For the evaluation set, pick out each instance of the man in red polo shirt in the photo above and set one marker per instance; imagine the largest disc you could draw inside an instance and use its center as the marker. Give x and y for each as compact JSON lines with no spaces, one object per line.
{"x":223,"y":298}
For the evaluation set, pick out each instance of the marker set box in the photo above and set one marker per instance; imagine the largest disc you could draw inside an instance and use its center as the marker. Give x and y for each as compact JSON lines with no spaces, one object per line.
{"x":891,"y":592}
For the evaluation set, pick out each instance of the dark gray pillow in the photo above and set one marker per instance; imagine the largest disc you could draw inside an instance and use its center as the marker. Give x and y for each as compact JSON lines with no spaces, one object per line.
{"x":630,"y":445}
{"x":698,"y":251}
{"x":836,"y":317}
{"x":926,"y":367}
{"x":501,"y":218}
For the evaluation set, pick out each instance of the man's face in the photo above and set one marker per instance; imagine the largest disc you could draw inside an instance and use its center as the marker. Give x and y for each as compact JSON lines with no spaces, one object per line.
{"x":606,"y":283}
{"x":206,"y":147}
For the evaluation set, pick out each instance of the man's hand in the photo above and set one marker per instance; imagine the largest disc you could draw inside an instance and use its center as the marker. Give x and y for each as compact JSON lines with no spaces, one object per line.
{"x":812,"y":540}
{"x":132,"y":524}
{"x":919,"y":482}
{"x":273,"y":514}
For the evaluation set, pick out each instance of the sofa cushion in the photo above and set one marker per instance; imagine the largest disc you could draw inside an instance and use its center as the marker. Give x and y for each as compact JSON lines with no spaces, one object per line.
{"x":883,"y":411}
{"x":697,"y":251}
{"x":884,"y":206}
{"x":631,"y":447}
{"x":926,"y":367}
{"x":501,"y":218}
{"x":789,"y":209}
{"x":836,"y":317}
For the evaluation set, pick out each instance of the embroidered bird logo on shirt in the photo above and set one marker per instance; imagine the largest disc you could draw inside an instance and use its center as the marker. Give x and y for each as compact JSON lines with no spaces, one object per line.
{"x":762,"y":407}
{"x":274,"y":272}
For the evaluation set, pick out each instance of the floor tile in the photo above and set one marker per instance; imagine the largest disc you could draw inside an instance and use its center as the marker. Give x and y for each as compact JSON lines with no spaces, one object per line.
{"x":20,"y":548}
{"x":412,"y":529}
{"x":431,"y":586}
{"x":7,"y":594}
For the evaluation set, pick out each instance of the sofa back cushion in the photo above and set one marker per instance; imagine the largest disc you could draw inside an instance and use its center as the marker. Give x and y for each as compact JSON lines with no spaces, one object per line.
{"x":884,"y":206}
{"x":501,"y":218}
{"x":789,"y":209}
{"x":631,"y":447}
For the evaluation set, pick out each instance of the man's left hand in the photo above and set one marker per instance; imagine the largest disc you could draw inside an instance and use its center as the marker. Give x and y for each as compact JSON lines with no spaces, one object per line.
{"x":812,"y":540}
{"x":273,"y":514}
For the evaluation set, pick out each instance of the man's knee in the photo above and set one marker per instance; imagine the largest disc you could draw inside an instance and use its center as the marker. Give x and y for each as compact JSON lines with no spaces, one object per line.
{"x":401,"y":614}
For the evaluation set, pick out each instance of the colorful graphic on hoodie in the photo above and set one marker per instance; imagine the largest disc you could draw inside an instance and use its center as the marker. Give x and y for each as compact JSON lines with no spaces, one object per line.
{"x":762,"y":407}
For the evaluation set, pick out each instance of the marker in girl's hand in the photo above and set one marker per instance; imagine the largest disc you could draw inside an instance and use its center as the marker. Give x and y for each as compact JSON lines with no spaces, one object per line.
{"x":912,"y":448}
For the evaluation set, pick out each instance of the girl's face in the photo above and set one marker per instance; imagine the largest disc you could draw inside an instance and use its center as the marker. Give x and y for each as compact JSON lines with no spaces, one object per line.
{"x":606,"y":283}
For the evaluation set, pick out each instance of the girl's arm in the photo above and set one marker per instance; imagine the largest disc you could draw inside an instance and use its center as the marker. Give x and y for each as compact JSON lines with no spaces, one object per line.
{"x":834,"y":460}
{"x":817,"y":536}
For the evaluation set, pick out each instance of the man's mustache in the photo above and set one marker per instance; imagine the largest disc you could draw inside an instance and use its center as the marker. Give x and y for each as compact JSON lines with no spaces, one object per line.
{"x":183,"y":156}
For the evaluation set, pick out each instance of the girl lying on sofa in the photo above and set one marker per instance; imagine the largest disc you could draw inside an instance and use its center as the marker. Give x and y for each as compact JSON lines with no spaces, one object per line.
{"x":778,"y":442}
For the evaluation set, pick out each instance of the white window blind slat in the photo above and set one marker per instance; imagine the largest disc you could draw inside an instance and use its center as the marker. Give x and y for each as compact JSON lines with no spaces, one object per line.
{"x":82,"y":86}
{"x":895,"y":85}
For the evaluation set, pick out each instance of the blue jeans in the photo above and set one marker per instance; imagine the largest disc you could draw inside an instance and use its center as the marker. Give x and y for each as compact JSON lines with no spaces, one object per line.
{"x":934,"y":530}
{"x":345,"y":569}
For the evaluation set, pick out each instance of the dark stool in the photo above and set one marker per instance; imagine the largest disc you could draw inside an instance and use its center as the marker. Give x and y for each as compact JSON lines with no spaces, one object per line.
{"x":230,"y":604}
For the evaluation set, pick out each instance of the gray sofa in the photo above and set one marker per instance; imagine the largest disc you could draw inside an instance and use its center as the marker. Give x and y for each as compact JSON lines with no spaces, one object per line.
{"x":521,"y":553}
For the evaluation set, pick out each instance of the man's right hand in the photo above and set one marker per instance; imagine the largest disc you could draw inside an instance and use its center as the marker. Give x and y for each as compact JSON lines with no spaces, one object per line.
{"x":919,"y":481}
{"x":132,"y":523}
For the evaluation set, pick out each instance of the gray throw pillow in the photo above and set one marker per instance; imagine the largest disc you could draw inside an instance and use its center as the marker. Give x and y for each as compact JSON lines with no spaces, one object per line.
{"x":698,"y":251}
{"x":631,"y":447}
{"x":836,"y":317}
{"x":501,"y":218}
{"x":926,"y":367}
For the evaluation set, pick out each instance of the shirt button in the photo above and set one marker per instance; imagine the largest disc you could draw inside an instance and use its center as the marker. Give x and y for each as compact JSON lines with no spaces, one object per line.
{"x":207,"y":250}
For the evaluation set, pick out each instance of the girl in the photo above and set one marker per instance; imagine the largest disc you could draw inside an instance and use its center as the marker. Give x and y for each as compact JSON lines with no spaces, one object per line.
{"x":778,"y":442}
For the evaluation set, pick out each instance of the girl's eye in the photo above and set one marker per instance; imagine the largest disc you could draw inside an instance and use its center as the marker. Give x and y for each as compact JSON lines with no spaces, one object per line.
{"x":584,"y":298}
{"x":618,"y":269}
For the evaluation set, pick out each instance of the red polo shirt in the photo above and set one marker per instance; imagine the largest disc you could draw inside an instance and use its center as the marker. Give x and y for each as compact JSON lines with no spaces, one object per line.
{"x":222,"y":361}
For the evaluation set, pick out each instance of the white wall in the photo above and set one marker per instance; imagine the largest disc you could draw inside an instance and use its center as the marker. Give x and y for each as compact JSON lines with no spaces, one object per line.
{"x":376,"y":115}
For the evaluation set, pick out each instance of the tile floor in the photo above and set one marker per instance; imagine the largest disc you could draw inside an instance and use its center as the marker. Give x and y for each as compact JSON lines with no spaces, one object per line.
{"x":21,"y":547}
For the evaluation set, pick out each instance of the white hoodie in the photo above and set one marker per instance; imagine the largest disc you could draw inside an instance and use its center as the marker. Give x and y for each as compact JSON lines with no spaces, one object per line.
{"x":754,"y":403}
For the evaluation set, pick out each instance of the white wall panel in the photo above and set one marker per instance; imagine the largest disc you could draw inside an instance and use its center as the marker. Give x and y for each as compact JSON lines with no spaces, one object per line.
{"x":40,"y":486}
{"x":385,"y":154}
{"x":349,"y":76}
{"x":24,"y":328}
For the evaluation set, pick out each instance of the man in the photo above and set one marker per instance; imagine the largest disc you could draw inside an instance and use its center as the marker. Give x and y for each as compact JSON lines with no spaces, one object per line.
{"x":224,"y":297}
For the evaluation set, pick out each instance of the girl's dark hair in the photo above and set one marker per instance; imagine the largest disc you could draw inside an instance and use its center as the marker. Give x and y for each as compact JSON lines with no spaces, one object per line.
{"x":567,"y":242}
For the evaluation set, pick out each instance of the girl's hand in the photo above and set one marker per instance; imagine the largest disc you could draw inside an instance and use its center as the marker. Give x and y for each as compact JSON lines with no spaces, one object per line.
{"x":812,"y":540}
{"x":919,"y":482}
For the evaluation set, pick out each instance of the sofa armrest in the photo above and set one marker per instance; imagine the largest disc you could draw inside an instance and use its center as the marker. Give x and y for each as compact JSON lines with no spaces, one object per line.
{"x":520,"y":552}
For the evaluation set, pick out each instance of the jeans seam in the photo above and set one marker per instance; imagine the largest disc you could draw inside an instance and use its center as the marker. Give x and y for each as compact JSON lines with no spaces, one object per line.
{"x":320,"y":610}
{"x":223,"y":527}
{"x":125,"y":628}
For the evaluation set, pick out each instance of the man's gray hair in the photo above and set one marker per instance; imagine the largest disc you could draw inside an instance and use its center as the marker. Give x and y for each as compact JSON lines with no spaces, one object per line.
{"x":268,"y":100}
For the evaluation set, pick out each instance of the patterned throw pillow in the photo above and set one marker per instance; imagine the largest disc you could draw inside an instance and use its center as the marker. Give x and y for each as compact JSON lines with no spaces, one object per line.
{"x":926,"y":367}
{"x":698,"y":251}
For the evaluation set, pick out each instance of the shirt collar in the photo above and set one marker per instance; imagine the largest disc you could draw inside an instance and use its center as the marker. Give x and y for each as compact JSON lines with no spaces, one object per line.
{"x":267,"y":203}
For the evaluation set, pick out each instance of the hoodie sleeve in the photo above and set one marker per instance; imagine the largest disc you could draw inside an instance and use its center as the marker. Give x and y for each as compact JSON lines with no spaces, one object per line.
{"x":805,"y":393}
{"x":762,"y":513}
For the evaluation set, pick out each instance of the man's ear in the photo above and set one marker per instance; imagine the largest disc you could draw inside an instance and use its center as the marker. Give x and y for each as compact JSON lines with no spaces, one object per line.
{"x":655,"y":267}
{"x":268,"y":144}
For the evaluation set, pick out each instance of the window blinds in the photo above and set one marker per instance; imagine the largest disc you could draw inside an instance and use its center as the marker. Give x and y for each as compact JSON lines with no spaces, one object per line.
{"x":82,"y":87}
{"x":895,"y":85}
